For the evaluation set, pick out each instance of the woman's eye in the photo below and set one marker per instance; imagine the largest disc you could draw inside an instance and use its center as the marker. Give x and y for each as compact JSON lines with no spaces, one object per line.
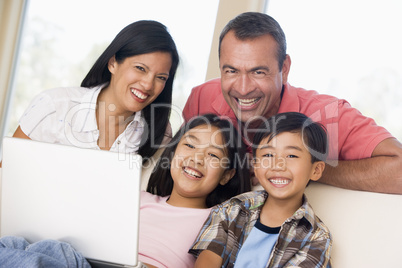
{"x":140,"y":68}
{"x":163,"y":78}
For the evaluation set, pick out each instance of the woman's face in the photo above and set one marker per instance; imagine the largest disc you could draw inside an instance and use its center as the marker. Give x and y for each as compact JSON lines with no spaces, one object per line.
{"x":137,"y":81}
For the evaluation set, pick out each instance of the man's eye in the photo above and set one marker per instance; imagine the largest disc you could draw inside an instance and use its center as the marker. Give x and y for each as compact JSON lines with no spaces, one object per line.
{"x":140,"y":68}
{"x":230,"y":71}
{"x":259,"y":73}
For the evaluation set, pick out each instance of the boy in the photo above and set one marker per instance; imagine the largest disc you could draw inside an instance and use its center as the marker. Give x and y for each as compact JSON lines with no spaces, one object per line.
{"x":275,"y":227}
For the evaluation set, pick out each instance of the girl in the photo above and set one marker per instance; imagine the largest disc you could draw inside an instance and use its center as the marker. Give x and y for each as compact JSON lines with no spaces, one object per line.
{"x":123,"y":103}
{"x":200,"y":168}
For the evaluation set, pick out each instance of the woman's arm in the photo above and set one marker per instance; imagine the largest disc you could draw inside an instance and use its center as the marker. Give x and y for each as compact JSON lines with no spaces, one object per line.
{"x":20,"y":134}
{"x":208,"y":259}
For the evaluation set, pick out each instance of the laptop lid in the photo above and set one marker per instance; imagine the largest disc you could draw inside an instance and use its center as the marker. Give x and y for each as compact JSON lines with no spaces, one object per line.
{"x":88,"y":198}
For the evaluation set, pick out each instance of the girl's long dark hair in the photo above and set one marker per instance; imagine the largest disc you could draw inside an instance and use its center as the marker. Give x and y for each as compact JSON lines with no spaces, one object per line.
{"x":138,"y":38}
{"x":161,"y":182}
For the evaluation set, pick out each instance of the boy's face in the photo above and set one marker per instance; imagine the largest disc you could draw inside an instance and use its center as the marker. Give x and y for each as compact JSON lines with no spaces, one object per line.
{"x":283,"y":166}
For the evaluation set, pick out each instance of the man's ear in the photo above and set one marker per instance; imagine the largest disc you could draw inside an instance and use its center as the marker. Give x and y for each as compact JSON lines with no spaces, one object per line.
{"x":227,"y":176}
{"x":286,"y":69}
{"x":112,"y":64}
{"x":317,"y":170}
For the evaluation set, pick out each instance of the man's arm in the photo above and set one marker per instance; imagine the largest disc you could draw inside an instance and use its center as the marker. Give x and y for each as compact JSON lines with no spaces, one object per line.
{"x":382,"y":172}
{"x":208,"y":259}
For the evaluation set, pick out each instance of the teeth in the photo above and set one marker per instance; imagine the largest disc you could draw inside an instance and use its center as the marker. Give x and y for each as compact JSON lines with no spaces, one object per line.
{"x":192,"y":172}
{"x":279,"y":181}
{"x":247,"y":102}
{"x":139,"y":94}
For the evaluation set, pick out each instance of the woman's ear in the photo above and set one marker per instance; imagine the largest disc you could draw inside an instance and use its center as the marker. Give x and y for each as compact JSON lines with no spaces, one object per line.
{"x":227,"y":176}
{"x":317,"y":170}
{"x":112,"y":64}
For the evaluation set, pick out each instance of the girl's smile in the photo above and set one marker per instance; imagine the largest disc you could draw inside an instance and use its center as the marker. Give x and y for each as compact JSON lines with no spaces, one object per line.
{"x":198,"y":166}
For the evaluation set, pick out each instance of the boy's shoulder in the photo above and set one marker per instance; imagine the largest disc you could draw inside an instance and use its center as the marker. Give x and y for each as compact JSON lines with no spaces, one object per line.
{"x":307,"y":212}
{"x":248,"y":200}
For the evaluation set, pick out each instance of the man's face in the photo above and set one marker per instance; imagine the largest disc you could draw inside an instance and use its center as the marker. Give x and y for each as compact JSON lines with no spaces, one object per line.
{"x":251,"y":79}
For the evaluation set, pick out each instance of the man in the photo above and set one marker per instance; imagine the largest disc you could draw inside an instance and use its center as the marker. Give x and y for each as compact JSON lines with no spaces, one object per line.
{"x":254,"y":86}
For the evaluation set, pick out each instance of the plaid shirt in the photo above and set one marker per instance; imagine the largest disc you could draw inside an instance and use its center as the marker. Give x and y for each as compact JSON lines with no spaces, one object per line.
{"x":304,"y":240}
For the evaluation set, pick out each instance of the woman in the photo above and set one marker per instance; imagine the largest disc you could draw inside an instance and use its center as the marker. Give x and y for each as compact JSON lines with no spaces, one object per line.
{"x":123,"y":104}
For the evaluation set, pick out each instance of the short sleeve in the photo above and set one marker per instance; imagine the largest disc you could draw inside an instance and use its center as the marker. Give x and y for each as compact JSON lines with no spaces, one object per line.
{"x":355,"y":135}
{"x":191,"y":107}
{"x":34,"y":121}
{"x":213,"y":235}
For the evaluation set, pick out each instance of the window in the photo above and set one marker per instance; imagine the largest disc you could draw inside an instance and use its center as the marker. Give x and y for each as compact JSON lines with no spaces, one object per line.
{"x":350,"y":49}
{"x":62,"y":39}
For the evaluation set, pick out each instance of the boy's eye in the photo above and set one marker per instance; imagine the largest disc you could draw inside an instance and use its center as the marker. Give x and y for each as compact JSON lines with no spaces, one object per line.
{"x":214,"y":155}
{"x":268,"y":155}
{"x":292,"y":156}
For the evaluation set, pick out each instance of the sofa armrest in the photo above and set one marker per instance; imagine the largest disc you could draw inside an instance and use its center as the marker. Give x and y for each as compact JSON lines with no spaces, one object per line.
{"x":365,"y":226}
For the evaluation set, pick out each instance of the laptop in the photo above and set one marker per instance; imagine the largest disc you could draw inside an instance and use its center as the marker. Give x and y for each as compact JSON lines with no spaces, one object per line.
{"x":87,"y":198}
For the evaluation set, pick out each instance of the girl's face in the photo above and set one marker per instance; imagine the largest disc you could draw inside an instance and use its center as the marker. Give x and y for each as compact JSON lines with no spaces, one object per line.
{"x":199,"y":164}
{"x":137,"y":81}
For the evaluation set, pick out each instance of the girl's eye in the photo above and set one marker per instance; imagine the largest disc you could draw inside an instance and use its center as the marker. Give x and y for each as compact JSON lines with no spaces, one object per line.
{"x":268,"y":155}
{"x":189,"y":145}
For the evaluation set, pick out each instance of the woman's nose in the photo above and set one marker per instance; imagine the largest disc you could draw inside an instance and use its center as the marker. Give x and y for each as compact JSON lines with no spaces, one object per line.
{"x":147,"y":82}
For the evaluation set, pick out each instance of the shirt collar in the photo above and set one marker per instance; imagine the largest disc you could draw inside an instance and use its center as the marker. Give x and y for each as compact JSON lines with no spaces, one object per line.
{"x":254,"y":200}
{"x":85,"y":112}
{"x":305,"y":211}
{"x":222,"y":108}
{"x":289,"y":101}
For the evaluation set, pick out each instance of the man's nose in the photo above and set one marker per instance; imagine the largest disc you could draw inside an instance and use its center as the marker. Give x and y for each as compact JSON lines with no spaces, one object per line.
{"x":245,"y":84}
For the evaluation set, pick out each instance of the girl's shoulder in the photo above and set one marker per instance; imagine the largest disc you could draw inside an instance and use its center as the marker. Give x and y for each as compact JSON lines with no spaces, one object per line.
{"x":148,"y":198}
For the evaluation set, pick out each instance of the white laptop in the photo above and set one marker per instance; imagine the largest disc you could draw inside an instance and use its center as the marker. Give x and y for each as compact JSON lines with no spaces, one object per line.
{"x":88,"y":198}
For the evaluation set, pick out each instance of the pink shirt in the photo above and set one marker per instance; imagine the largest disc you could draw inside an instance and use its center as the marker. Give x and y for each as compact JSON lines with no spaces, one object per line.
{"x":351,"y":135}
{"x":167,"y":232}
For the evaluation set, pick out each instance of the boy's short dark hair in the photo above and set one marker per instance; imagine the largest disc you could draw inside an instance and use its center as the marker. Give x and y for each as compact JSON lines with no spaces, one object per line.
{"x":313,"y":133}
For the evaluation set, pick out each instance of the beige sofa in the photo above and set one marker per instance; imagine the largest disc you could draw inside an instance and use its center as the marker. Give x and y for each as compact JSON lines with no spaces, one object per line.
{"x":365,"y":226}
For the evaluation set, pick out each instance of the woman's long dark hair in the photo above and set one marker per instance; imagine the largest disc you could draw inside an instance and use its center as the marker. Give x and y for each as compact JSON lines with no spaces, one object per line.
{"x":138,"y":38}
{"x":161,"y":182}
